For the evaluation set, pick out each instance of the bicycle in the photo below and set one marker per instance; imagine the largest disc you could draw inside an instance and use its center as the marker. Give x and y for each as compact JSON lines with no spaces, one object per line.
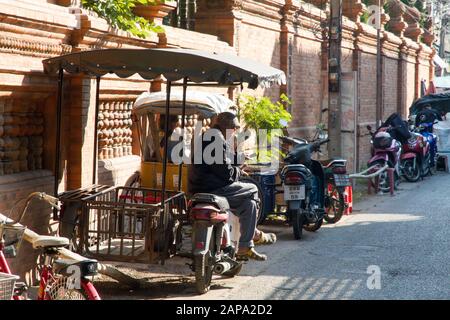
{"x":60,"y":279}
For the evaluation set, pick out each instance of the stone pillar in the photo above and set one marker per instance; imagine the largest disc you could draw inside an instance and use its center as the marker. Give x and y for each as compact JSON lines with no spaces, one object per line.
{"x":220,"y":18}
{"x":286,"y":37}
{"x":397,"y":24}
{"x":413,"y":31}
{"x":353,"y":9}
{"x":401,"y":85}
{"x":428,"y":35}
{"x":81,"y":132}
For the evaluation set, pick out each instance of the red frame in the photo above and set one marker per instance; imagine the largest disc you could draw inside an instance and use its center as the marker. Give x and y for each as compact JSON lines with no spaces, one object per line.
{"x":46,"y":273}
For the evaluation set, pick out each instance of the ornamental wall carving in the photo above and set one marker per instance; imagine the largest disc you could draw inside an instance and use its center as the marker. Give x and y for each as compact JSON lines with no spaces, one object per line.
{"x":21,"y":136}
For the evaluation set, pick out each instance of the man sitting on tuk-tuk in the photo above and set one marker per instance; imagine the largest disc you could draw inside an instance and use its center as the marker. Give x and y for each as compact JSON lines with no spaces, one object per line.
{"x":222,"y":179}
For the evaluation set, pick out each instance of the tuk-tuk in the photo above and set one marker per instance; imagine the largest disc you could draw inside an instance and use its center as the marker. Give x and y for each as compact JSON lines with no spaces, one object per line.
{"x":129,"y":223}
{"x":201,"y":108}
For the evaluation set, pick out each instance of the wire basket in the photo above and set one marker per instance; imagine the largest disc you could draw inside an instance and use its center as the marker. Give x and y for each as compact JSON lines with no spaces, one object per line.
{"x":7,"y":282}
{"x":129,"y":224}
{"x":12,"y":235}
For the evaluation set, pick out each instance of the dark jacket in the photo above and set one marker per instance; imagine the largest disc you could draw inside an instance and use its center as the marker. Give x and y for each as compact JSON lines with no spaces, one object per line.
{"x":209,"y":177}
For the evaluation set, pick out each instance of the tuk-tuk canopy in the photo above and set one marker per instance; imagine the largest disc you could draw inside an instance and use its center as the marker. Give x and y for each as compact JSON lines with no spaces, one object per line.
{"x":173,"y":64}
{"x":439,"y":102}
{"x":197,"y":102}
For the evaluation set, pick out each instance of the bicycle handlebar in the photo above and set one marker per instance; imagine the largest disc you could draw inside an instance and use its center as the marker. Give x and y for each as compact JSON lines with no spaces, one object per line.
{"x":54,"y":202}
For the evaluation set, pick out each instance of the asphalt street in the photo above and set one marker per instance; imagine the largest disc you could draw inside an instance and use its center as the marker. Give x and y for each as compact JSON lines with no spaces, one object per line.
{"x":405,"y":237}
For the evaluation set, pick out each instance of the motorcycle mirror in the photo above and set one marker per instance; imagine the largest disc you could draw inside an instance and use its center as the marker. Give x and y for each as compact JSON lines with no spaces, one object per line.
{"x":369,"y":127}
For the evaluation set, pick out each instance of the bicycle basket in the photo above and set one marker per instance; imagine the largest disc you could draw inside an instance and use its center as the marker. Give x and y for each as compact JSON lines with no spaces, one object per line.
{"x":12,"y":235}
{"x":7,"y":282}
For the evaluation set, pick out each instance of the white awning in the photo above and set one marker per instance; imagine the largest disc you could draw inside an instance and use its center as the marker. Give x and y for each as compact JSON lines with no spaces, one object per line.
{"x":197,"y":102}
{"x":440,"y":62}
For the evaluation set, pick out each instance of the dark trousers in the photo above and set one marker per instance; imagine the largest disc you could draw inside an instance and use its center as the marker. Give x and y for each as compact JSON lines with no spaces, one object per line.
{"x":244,"y":202}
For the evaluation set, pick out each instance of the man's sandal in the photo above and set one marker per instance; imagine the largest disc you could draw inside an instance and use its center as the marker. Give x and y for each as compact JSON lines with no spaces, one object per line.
{"x":266,"y":238}
{"x":251,"y":254}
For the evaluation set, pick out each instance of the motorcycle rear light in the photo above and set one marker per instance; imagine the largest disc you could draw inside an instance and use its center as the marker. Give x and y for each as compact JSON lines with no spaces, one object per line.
{"x":201,"y":214}
{"x":209,"y":215}
{"x":293,"y":178}
{"x":340,"y":170}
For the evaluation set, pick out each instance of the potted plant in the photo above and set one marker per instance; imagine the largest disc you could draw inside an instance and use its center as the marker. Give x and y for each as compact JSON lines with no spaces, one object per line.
{"x":154,"y":10}
{"x":261,"y":113}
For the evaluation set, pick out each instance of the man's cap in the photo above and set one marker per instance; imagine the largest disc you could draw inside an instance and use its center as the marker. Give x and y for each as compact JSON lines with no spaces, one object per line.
{"x":228,"y":120}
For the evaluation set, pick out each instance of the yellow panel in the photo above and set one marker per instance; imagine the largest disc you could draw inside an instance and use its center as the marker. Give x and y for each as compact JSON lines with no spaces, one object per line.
{"x":151,"y":176}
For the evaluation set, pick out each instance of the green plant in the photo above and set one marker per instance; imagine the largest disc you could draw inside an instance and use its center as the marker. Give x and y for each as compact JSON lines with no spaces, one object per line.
{"x":365,"y":17}
{"x":119,"y":14}
{"x":262,"y":113}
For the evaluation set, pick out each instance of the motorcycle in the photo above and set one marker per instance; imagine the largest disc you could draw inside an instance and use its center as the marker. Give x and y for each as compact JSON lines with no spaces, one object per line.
{"x":385,"y":151}
{"x":426,"y":130}
{"x":215,"y":239}
{"x":415,"y":157}
{"x":303,"y":181}
{"x":336,"y":179}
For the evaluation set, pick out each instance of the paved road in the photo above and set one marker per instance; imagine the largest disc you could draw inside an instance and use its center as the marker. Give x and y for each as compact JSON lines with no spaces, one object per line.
{"x":406,"y":236}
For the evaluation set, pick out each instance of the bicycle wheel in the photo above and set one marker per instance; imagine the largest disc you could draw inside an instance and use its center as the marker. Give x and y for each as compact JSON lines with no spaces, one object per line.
{"x":66,"y":288}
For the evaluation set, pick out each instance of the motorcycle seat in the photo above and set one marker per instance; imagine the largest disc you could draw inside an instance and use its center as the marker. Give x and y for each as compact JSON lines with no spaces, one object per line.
{"x":218,"y":201}
{"x":329,"y":162}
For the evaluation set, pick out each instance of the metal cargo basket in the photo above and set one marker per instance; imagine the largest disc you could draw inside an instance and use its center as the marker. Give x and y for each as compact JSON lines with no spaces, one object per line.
{"x":129,"y":224}
{"x":7,"y":282}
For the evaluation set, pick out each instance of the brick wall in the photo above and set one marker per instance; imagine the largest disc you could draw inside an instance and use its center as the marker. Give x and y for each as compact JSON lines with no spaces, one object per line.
{"x":390,"y":89}
{"x":306,"y":85}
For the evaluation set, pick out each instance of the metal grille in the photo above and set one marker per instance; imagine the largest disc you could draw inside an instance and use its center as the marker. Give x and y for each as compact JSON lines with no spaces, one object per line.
{"x":129,"y":224}
{"x":7,"y":282}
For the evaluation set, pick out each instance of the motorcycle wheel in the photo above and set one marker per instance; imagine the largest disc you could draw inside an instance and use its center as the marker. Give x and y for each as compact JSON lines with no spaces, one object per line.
{"x":313,"y":227}
{"x":204,"y":268}
{"x":383,"y":181}
{"x":336,"y":205}
{"x":409,"y":172}
{"x":427,"y":165}
{"x":298,"y":219}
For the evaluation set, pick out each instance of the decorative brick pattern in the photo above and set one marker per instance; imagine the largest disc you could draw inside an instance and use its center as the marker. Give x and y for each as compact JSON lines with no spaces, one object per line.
{"x":114,"y":129}
{"x":21,"y":141}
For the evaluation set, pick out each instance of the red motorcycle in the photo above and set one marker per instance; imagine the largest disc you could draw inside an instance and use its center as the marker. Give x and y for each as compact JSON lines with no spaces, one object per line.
{"x":385,"y":151}
{"x":414,"y":151}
